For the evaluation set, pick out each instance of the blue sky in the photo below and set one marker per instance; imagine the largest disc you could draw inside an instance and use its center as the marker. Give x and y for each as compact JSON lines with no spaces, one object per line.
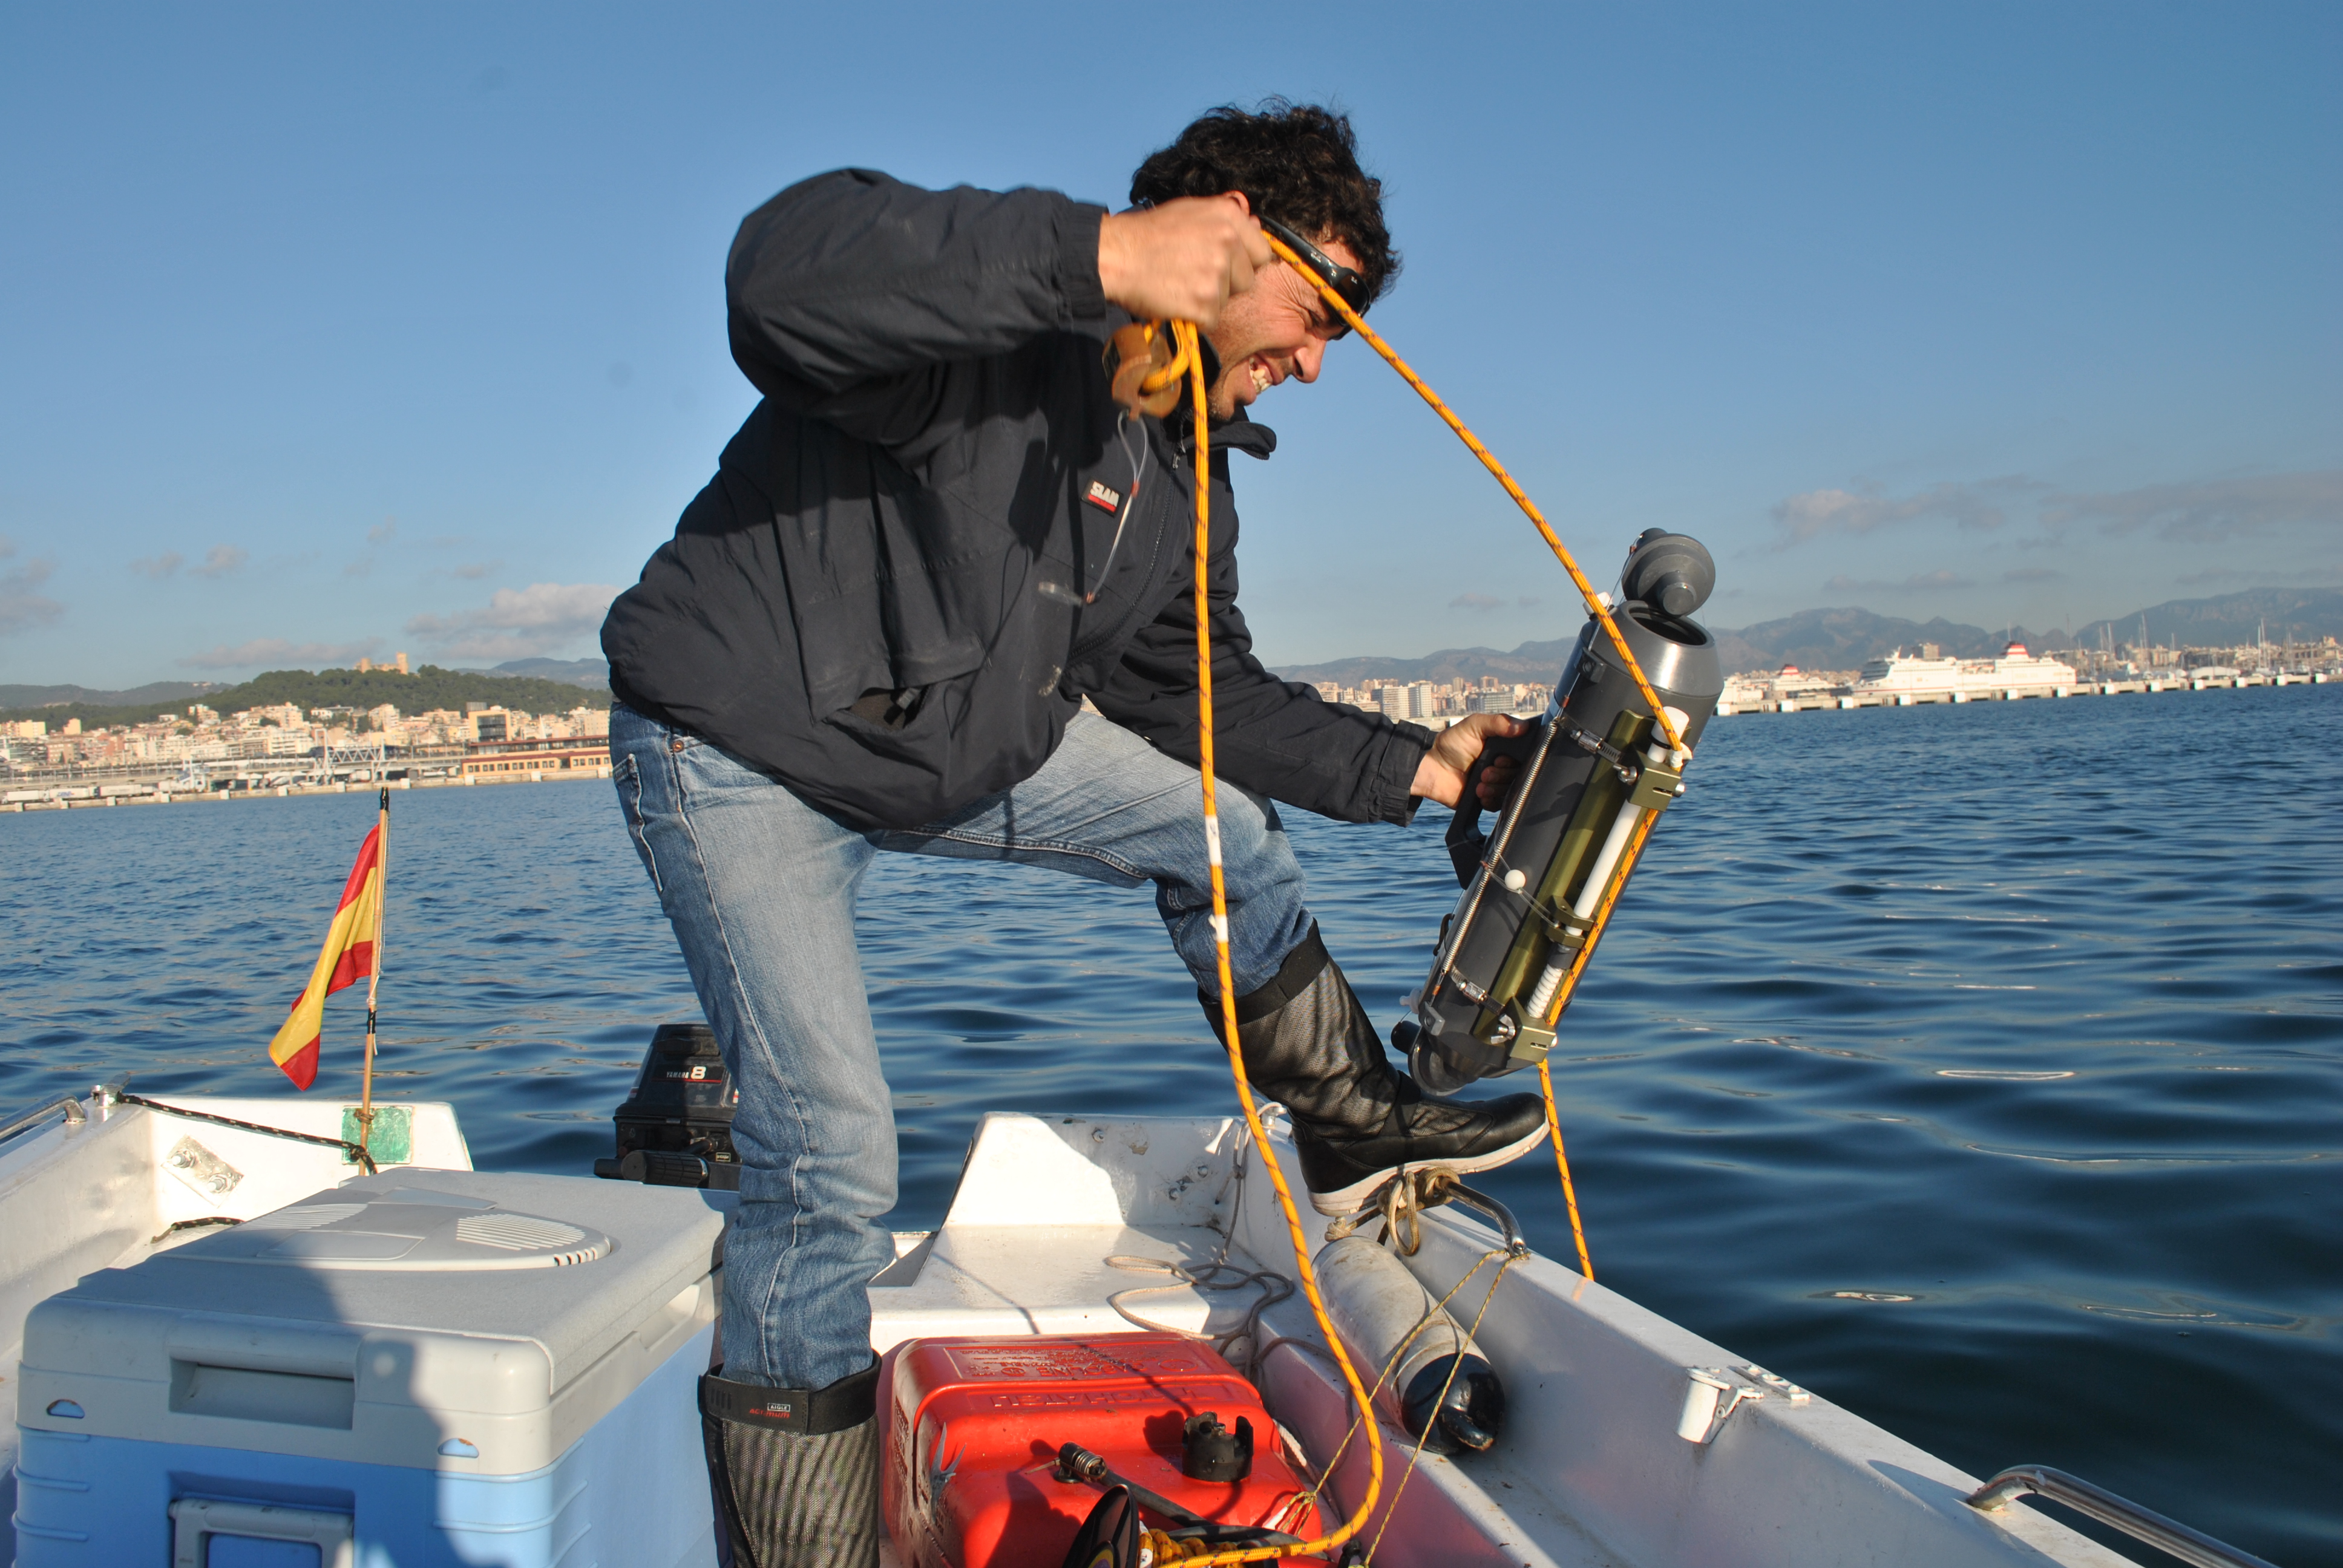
{"x":330,"y":330}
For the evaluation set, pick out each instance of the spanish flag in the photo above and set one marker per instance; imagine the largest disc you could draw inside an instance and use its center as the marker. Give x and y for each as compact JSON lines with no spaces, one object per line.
{"x":348,"y":958}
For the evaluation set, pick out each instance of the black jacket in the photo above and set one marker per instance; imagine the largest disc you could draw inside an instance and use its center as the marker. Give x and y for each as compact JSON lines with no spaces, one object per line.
{"x":878,"y":598}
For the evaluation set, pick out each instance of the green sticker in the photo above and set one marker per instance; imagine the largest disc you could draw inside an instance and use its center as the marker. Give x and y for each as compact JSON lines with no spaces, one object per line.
{"x":393,"y":1142}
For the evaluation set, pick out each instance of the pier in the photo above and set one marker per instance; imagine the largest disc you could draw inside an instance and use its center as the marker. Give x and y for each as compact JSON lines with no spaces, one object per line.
{"x":145,"y":793}
{"x":2181,"y":681}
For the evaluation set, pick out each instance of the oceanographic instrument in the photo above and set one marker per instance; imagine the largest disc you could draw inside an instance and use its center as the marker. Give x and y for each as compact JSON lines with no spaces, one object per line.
{"x":1596,"y":772}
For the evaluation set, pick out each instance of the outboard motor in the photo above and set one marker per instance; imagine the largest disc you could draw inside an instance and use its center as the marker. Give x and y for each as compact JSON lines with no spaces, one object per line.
{"x":676,"y":1129}
{"x":1592,"y":767}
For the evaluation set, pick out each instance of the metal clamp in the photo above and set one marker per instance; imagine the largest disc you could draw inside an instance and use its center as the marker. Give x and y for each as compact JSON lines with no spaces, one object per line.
{"x":1628,"y":768}
{"x":2098,"y":1503}
{"x":1656,"y":787}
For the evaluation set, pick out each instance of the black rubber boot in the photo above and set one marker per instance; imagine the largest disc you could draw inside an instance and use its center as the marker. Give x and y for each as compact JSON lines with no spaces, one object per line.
{"x":795,"y":1472}
{"x":1310,"y":1046}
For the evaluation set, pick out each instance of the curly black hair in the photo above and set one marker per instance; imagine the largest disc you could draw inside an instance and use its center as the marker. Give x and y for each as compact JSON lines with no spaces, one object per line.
{"x":1296,"y":162}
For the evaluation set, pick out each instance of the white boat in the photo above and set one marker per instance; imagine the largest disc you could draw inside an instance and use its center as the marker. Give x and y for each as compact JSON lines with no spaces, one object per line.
{"x":1628,"y":1439}
{"x":1910,"y":677}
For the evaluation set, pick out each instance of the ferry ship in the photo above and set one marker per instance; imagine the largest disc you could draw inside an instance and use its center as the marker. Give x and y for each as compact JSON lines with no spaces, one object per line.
{"x":1903,"y":675}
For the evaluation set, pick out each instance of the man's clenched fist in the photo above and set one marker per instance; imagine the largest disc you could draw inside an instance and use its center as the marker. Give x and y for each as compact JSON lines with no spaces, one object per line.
{"x":1182,"y":260}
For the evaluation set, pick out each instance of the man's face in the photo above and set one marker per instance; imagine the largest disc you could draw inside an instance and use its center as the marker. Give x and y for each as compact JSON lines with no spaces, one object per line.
{"x":1275,"y":331}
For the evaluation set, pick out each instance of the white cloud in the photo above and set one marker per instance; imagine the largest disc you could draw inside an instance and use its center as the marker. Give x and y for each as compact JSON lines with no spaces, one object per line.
{"x":1477,"y":602}
{"x":2209,"y":510}
{"x":1982,"y":505}
{"x":160,"y":566}
{"x":519,"y":623}
{"x":220,"y":560}
{"x":383,"y":532}
{"x":278,"y":653}
{"x":2293,"y":577}
{"x":23,"y":606}
{"x":2200,"y":511}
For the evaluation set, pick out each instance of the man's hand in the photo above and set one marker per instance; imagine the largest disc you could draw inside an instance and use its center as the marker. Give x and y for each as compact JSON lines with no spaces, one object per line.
{"x":1182,"y":260}
{"x":1441,"y":775}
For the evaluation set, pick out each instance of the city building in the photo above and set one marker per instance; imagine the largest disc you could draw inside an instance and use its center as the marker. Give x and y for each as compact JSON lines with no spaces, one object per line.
{"x":491,"y":761}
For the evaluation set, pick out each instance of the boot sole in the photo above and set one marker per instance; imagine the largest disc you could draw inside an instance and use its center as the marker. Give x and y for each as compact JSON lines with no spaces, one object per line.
{"x":1345,"y":1200}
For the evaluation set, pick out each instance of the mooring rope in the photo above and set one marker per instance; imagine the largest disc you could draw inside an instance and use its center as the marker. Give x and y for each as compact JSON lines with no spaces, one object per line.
{"x":355,"y":1151}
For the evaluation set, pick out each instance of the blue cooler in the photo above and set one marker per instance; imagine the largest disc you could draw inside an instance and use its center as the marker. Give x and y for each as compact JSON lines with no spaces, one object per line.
{"x":411,"y":1369}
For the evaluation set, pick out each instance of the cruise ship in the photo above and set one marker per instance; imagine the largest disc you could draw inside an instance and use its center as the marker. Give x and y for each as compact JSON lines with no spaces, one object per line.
{"x":2018,"y":671}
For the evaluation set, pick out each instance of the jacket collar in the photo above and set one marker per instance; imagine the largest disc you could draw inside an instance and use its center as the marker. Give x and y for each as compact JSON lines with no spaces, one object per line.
{"x":1238,"y":433}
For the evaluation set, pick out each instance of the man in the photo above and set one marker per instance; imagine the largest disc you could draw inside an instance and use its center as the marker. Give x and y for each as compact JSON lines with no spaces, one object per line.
{"x":937,"y":600}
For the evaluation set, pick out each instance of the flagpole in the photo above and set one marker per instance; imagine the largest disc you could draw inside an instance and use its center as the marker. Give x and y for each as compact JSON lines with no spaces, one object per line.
{"x":374,"y":977}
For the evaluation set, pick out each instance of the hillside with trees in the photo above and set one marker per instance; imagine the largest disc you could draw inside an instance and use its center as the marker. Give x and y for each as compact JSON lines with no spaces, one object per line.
{"x":429,"y":688}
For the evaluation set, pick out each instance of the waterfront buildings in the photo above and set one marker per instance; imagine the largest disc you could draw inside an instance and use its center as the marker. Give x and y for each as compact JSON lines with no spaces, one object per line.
{"x":205,"y":748}
{"x":1422,"y":701}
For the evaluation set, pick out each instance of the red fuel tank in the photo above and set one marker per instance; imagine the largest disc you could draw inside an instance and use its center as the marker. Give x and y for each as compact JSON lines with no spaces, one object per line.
{"x":974,"y":1426}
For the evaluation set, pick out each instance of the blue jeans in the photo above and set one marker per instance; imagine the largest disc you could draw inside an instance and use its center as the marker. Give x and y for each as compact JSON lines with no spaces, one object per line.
{"x":760,"y":889}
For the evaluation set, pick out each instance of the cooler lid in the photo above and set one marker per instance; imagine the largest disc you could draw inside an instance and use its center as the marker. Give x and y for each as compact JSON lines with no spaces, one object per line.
{"x":408,"y":1227}
{"x":574,"y":1264}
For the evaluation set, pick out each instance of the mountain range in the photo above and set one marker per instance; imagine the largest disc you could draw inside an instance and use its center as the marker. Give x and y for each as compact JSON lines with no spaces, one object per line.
{"x":1845,"y":639}
{"x":591,"y":673}
{"x":429,"y":688}
{"x":2303,"y":614}
{"x":153,"y":694}
{"x":1842,"y":638}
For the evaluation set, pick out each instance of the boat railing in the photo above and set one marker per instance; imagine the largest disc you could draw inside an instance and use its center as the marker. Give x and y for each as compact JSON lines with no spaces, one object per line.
{"x":2120,"y":1512}
{"x":26,"y":1120}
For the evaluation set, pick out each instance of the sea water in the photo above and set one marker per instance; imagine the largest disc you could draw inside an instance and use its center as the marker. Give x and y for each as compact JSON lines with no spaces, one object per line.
{"x":1980,"y":1066}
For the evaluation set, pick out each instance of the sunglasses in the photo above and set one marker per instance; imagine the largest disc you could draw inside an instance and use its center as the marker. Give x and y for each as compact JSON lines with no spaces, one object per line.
{"x":1344,"y":281}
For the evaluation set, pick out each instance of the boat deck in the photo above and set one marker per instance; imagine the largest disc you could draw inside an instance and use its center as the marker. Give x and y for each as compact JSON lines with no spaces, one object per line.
{"x":1590,"y":1469}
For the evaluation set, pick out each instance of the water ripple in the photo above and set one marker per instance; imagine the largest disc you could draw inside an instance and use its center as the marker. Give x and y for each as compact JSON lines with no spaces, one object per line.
{"x":1978,"y":1066}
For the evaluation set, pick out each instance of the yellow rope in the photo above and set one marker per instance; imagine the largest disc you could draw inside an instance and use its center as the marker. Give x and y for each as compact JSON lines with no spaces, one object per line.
{"x":1561,"y":1161}
{"x":1399,"y":1353}
{"x":1635,"y":850}
{"x":1520,"y":499}
{"x":1595,"y":606}
{"x":1553,"y":1014}
{"x":1456,"y":1365}
{"x":1185,"y":334}
{"x":1191,"y":358}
